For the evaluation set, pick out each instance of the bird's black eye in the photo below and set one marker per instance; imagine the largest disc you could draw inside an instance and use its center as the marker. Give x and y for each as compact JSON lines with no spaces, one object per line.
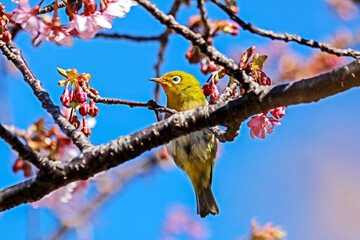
{"x":176,"y":79}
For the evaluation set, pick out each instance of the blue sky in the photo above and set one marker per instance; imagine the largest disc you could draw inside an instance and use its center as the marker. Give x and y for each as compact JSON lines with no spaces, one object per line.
{"x":304,"y":176}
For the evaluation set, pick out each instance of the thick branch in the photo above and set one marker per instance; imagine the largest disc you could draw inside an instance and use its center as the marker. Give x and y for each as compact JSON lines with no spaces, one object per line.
{"x":104,"y":157}
{"x":288,"y":37}
{"x":14,"y":55}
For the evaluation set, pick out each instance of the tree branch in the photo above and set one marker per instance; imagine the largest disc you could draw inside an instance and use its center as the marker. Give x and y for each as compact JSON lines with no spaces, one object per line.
{"x":14,"y":55}
{"x":204,"y":18}
{"x":24,"y":151}
{"x":106,"y":156}
{"x":325,"y":47}
{"x":152,"y":105}
{"x":128,"y":37}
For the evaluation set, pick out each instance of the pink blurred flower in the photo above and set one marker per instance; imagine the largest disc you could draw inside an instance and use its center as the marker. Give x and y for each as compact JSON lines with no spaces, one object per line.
{"x":278,"y":112}
{"x":260,"y":124}
{"x":54,"y":33}
{"x":86,"y":26}
{"x":26,"y":17}
{"x":180,"y":222}
{"x":118,"y":8}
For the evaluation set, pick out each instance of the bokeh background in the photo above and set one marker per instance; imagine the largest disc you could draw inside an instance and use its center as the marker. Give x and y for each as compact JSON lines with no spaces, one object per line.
{"x":304,"y":176}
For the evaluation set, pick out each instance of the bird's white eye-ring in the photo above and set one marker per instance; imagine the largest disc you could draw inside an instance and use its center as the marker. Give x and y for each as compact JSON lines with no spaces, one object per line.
{"x":176,"y":79}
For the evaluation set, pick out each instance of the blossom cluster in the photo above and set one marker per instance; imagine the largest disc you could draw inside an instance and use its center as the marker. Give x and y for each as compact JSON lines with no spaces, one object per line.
{"x":84,"y":25}
{"x":260,"y":123}
{"x":5,"y":35}
{"x":49,"y":141}
{"x":76,"y":98}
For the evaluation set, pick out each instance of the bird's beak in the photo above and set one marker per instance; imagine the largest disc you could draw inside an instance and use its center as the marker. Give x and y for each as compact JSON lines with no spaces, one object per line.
{"x":158,"y":80}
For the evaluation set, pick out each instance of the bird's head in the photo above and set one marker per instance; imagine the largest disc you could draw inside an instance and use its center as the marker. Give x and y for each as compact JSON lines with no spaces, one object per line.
{"x":181,"y":89}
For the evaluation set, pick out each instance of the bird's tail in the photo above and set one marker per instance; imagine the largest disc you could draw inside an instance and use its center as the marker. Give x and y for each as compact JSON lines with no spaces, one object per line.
{"x":206,"y":203}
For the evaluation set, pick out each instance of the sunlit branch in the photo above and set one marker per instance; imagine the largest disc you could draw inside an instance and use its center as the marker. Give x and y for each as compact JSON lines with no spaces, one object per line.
{"x":14,"y":55}
{"x":288,"y":37}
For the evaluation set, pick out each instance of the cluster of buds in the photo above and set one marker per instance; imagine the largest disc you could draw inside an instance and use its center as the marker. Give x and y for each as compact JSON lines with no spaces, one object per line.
{"x":226,"y":26}
{"x":260,"y":123}
{"x":77,"y":98}
{"x":5,"y":35}
{"x":232,"y":5}
{"x":49,"y":141}
{"x":210,"y":88}
{"x":23,"y":165}
{"x":208,"y":66}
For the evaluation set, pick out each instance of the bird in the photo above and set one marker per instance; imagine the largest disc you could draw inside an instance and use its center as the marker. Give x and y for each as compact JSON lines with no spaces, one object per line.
{"x":195,"y":153}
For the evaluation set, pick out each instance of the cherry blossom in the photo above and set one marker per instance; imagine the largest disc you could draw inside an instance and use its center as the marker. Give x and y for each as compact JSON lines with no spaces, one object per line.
{"x":260,"y":124}
{"x":118,"y":8}
{"x":26,"y":17}
{"x":54,"y":33}
{"x":85,"y":26}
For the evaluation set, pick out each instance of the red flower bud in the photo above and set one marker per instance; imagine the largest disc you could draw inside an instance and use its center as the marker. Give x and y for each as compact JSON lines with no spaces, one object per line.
{"x":212,"y":66}
{"x":90,"y":7}
{"x":71,"y":95}
{"x":265,"y":80}
{"x":6,"y":36}
{"x":27,"y":169}
{"x":18,"y":165}
{"x":75,"y":121}
{"x":86,"y":129}
{"x":65,"y":98}
{"x":84,"y":109}
{"x":80,"y":95}
{"x":204,"y":68}
{"x":193,"y":55}
{"x":94,"y":110}
{"x":278,"y":112}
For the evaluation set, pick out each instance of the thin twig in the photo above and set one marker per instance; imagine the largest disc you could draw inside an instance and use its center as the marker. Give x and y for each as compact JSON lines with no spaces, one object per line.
{"x":152,"y":105}
{"x":14,"y":55}
{"x":163,"y":43}
{"x":204,"y":18}
{"x":325,"y":47}
{"x":50,"y":8}
{"x":128,"y":37}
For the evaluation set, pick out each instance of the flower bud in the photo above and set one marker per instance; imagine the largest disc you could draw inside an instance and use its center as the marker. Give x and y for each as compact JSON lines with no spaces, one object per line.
{"x":75,"y":121}
{"x":94,"y":110}
{"x":90,"y":7}
{"x":84,"y":109}
{"x":204,"y":67}
{"x":80,"y":95}
{"x":18,"y":165}
{"x":65,"y":98}
{"x":86,"y":129}
{"x":278,"y":112}
{"x":6,"y":36}
{"x":84,"y":77}
{"x":212,"y":66}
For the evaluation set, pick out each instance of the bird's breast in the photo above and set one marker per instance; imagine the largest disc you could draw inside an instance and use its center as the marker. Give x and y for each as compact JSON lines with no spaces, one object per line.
{"x":196,"y":146}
